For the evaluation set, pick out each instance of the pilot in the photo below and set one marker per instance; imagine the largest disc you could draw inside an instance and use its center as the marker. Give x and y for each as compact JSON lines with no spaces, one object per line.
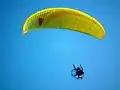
{"x":78,"y":72}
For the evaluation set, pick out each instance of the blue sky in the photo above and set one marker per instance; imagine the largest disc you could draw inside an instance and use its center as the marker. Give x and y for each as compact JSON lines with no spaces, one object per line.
{"x":42,"y":60}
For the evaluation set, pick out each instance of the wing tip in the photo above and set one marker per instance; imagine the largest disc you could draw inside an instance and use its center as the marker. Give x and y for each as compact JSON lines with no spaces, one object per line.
{"x":22,"y":32}
{"x":102,"y":34}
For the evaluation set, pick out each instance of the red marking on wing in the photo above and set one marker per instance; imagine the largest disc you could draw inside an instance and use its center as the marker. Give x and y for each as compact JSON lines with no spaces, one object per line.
{"x":40,"y":21}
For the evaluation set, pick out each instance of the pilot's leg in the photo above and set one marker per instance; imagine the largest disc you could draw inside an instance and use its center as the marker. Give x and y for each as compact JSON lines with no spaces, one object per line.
{"x":75,"y":74}
{"x":81,"y":77}
{"x":78,"y":77}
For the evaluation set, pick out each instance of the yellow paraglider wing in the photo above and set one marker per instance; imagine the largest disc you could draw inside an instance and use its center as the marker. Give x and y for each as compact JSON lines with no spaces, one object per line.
{"x":65,"y":18}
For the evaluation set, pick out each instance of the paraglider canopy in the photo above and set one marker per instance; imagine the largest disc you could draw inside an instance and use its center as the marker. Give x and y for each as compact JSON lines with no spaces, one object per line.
{"x":65,"y":18}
